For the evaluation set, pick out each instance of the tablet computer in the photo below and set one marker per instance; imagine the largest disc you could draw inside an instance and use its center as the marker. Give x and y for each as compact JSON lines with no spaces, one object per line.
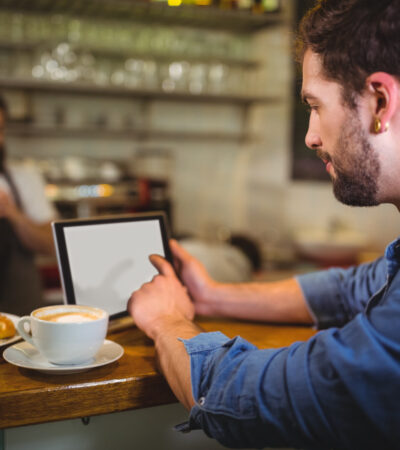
{"x":103,"y":260}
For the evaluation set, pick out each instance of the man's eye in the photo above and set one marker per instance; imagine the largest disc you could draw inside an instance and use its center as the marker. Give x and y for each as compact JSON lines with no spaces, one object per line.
{"x":311,"y":108}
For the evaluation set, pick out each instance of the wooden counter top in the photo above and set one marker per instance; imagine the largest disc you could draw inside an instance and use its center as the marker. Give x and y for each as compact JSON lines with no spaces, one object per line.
{"x":30,"y":397}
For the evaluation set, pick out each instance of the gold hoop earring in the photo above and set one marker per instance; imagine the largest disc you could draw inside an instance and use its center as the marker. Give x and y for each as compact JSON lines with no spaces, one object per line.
{"x":378,"y":126}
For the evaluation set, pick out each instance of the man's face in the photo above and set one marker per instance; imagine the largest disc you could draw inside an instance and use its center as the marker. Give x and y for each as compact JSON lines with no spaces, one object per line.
{"x":336,"y":133}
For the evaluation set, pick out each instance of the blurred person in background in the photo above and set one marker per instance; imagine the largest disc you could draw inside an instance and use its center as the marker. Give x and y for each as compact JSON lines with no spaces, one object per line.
{"x":25,"y":215}
{"x":341,"y":388}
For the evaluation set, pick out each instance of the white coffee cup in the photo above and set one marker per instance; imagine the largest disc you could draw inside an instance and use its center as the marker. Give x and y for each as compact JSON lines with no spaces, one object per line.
{"x":66,"y":334}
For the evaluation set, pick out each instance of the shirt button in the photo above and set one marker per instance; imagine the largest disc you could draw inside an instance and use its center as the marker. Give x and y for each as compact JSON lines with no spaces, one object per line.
{"x":202,"y":400}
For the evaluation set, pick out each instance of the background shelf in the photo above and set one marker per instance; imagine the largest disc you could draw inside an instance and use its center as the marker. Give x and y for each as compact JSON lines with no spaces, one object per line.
{"x":90,"y":89}
{"x":185,"y":15}
{"x":121,"y":54}
{"x":32,"y":131}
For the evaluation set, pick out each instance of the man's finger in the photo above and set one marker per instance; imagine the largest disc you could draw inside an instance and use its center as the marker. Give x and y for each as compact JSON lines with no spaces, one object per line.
{"x":162,"y":265}
{"x":178,"y":251}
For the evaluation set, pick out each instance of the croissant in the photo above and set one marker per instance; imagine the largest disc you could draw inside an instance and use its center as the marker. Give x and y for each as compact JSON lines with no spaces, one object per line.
{"x":7,"y":328}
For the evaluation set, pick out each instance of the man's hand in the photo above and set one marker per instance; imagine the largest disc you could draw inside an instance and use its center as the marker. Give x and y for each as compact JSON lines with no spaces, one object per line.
{"x":164,"y":311}
{"x":35,"y":237}
{"x":195,"y":277}
{"x":160,"y":302}
{"x":279,"y":301}
{"x":7,"y":206}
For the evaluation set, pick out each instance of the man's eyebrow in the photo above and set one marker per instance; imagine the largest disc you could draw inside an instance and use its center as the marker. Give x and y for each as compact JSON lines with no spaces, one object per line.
{"x":307,"y":96}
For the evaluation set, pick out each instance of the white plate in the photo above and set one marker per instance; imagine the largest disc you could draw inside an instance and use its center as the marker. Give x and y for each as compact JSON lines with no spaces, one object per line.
{"x":26,"y":356}
{"x":14,"y":338}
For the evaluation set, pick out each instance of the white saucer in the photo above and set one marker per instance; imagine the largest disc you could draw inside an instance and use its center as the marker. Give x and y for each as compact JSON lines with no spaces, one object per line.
{"x":26,"y":356}
{"x":17,"y":337}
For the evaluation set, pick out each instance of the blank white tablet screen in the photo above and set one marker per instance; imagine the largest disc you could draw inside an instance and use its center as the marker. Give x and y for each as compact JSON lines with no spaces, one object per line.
{"x":109,"y":261}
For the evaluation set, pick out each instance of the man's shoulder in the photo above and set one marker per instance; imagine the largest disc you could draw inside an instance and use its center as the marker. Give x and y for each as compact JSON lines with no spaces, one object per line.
{"x":18,"y":168}
{"x":25,"y":174}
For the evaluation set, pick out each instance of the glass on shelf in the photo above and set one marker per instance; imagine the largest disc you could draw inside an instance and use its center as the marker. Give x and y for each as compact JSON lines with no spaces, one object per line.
{"x":7,"y":60}
{"x":118,"y":77}
{"x":134,"y":70}
{"x":121,"y":36}
{"x":103,"y":72}
{"x":150,"y":75}
{"x":197,"y":44}
{"x":128,"y":55}
{"x":142,"y":38}
{"x":56,"y":28}
{"x":109,"y":33}
{"x":174,"y":76}
{"x":161,"y":40}
{"x":217,"y":78}
{"x":4,"y":26}
{"x":217,"y":44}
{"x":32,"y":29}
{"x":64,"y":54}
{"x":74,"y":30}
{"x":86,"y":67}
{"x":16,"y":28}
{"x":234,"y":82}
{"x":58,"y":64}
{"x":180,"y":44}
{"x":239,"y":47}
{"x":91,"y":34}
{"x":197,"y":79}
{"x":22,"y":65}
{"x":271,"y":5}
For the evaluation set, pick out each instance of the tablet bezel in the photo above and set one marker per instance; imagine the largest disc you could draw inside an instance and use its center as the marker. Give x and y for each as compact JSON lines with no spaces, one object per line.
{"x":58,"y":227}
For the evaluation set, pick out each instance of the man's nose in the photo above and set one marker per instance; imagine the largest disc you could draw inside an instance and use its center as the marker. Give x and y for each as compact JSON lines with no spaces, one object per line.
{"x":313,"y":139}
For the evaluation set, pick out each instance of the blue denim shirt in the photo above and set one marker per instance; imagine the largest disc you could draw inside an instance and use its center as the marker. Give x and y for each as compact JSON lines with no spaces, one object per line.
{"x":340,"y":389}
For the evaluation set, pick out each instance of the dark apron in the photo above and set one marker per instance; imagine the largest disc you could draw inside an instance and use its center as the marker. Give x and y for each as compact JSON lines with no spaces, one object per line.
{"x":20,"y":283}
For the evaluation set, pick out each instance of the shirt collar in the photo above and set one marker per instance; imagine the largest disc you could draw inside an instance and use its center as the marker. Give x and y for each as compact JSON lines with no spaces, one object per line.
{"x":392,"y":255}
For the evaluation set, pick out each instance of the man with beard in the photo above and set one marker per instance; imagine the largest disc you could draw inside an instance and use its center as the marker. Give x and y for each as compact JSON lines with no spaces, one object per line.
{"x":25,"y":216}
{"x":340,"y":389}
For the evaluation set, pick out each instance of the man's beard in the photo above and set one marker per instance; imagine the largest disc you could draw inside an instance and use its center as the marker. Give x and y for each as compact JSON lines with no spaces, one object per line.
{"x":356,"y":166}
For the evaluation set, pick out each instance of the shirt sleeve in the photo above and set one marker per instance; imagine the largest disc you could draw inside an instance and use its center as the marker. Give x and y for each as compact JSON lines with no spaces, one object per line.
{"x":340,"y":389}
{"x":335,"y":296}
{"x":31,"y":188}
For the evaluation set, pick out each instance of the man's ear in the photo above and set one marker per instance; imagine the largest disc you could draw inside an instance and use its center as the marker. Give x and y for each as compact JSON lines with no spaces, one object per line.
{"x":385,"y":98}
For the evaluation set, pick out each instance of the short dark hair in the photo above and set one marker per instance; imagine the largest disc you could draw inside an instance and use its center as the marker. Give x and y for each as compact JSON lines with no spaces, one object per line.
{"x":354,"y":38}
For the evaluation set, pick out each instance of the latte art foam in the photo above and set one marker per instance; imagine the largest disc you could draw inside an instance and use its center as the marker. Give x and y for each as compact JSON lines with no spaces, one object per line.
{"x":70,"y":317}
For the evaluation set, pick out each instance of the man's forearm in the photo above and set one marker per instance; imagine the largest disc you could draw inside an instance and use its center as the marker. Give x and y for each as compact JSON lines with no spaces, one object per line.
{"x":281,"y":301}
{"x":173,"y":360}
{"x":35,"y":237}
